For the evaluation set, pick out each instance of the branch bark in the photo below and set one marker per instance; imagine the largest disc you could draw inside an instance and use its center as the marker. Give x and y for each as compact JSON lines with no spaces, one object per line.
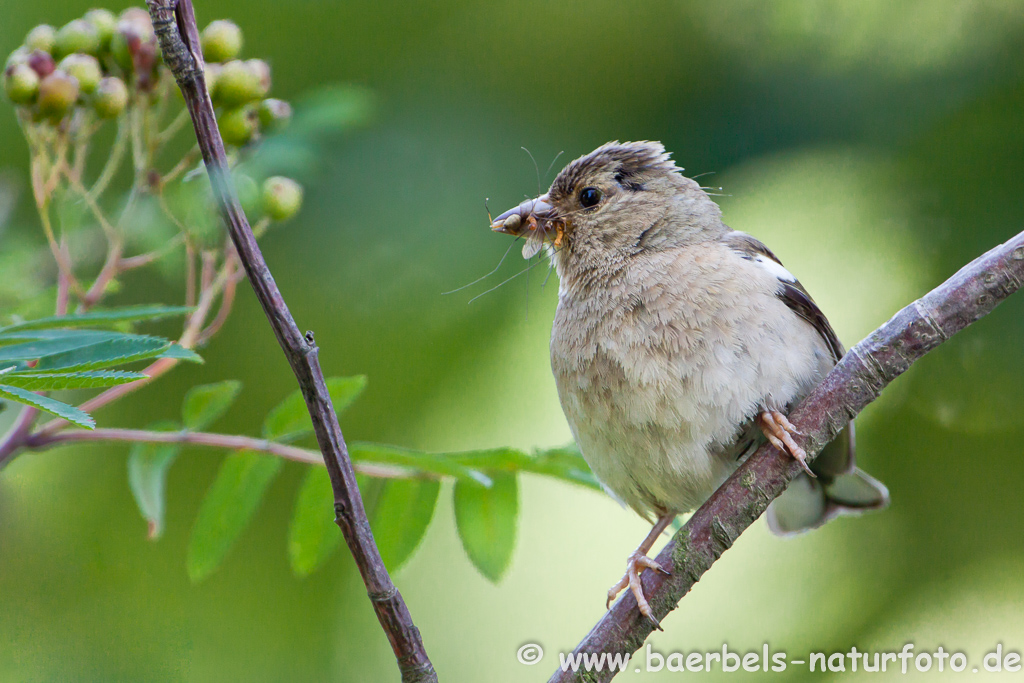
{"x":856,"y":381}
{"x":176,"y":29}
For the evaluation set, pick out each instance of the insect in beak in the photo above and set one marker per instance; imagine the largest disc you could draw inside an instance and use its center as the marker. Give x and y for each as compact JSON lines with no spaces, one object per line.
{"x":534,"y":219}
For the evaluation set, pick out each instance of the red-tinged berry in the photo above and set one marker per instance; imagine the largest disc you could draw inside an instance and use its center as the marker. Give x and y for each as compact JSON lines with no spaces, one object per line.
{"x":57,"y":94}
{"x":41,"y":62}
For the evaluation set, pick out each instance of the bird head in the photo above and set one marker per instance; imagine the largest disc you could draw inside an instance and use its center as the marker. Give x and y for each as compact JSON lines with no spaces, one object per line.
{"x":621,"y":199}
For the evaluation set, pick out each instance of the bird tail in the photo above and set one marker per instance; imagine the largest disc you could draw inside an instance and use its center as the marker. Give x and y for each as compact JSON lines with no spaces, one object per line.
{"x":839,"y":489}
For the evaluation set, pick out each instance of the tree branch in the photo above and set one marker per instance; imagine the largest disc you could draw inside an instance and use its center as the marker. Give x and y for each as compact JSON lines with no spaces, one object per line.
{"x":856,"y":381}
{"x":176,"y":29}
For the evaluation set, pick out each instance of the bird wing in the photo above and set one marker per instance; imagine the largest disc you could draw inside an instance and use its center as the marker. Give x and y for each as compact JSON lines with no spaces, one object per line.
{"x":790,"y":291}
{"x":838,"y":457}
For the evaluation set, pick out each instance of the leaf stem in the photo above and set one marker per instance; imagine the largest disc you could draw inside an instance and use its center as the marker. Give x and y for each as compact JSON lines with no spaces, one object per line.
{"x":235,"y":442}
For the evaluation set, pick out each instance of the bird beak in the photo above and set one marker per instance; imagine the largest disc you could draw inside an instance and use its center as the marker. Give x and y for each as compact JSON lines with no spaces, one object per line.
{"x":519,"y":220}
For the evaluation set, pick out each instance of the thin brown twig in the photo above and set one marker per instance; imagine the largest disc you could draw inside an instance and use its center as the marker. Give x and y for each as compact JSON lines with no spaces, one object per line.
{"x":233,"y":442}
{"x":227,"y":300}
{"x":856,"y":381}
{"x":114,"y":160}
{"x":183,"y":56}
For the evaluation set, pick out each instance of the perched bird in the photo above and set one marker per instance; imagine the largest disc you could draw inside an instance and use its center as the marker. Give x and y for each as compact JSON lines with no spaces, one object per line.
{"x":679,"y":345}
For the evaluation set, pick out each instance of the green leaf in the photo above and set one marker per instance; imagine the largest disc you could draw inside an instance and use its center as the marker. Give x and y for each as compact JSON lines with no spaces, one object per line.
{"x":115,"y":315}
{"x":147,"y":475}
{"x":204,"y":404}
{"x":119,"y":350}
{"x":402,"y":515}
{"x":86,"y":336}
{"x":181,"y":353}
{"x":290,"y":419}
{"x":56,"y":345}
{"x":50,"y":405}
{"x":432,"y":463}
{"x":313,"y":536}
{"x":564,"y":463}
{"x":486,"y":519}
{"x":227,"y":509}
{"x":53,"y":381}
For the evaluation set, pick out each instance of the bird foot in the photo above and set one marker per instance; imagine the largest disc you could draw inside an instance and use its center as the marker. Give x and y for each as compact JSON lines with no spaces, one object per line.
{"x":636,"y":563}
{"x":779,"y":430}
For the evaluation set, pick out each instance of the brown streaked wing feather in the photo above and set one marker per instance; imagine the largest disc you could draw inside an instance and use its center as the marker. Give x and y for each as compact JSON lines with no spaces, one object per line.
{"x":792,"y":293}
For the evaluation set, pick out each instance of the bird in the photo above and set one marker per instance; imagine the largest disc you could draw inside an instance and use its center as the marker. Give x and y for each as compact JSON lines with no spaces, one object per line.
{"x":679,"y":345}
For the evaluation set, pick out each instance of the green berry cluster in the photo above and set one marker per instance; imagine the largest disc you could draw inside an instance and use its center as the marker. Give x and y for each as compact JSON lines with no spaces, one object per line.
{"x":64,"y":82}
{"x":239,"y":88}
{"x":92,"y":63}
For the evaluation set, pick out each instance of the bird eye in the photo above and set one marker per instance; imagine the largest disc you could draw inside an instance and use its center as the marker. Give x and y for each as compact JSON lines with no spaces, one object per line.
{"x":589,"y":196}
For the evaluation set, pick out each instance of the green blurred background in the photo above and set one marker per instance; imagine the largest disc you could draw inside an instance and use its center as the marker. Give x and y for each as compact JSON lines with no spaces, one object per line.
{"x":875,"y":146}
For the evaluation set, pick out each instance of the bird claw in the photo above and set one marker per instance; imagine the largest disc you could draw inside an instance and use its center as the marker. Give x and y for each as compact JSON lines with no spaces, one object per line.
{"x":635,"y":565}
{"x":779,"y":431}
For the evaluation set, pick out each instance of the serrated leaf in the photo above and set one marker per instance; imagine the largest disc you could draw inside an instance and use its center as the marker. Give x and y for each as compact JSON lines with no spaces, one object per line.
{"x":486,"y":520}
{"x":84,"y":335}
{"x":55,"y":381}
{"x":125,"y":348}
{"x":290,"y":419}
{"x":64,"y":343}
{"x":115,"y":315}
{"x":181,"y":353}
{"x":49,"y":405}
{"x":204,"y":404}
{"x":433,"y":463}
{"x":227,"y":509}
{"x":147,"y":476}
{"x":403,"y":513}
{"x":313,"y":536}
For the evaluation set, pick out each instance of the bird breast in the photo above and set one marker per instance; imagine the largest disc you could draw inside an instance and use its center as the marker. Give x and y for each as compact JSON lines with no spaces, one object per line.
{"x":660,"y":365}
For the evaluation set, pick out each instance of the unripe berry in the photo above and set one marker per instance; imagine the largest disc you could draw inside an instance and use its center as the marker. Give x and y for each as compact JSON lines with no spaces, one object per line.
{"x":77,"y":36}
{"x":41,"y":37}
{"x":262,"y":71}
{"x":282,"y":198}
{"x":21,"y":83}
{"x":41,"y":62}
{"x":237,"y":84}
{"x":105,"y":23}
{"x":221,"y":41}
{"x":111,"y":98}
{"x":19,"y":56}
{"x":237,"y":126}
{"x":274,"y":114}
{"x":57,"y":94}
{"x":85,"y":68}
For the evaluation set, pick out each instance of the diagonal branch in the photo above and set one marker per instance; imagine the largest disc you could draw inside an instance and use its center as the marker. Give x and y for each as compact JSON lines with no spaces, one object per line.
{"x":855,"y":382}
{"x":175,"y":25}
